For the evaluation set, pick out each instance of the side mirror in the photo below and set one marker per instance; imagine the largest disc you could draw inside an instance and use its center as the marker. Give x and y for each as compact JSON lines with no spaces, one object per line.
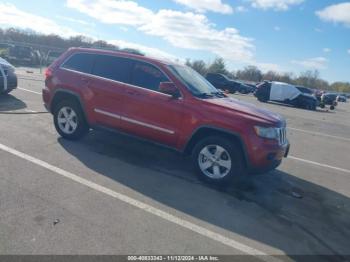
{"x":169,"y":88}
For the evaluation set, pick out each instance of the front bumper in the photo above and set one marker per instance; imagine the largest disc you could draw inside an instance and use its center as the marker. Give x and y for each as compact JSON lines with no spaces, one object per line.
{"x":268,"y":157}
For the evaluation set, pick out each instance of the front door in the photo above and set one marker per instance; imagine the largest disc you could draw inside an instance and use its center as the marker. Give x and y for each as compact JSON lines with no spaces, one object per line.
{"x":148,"y":112}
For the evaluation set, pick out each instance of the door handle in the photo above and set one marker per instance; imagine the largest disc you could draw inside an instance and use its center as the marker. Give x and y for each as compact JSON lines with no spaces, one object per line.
{"x":132,"y":93}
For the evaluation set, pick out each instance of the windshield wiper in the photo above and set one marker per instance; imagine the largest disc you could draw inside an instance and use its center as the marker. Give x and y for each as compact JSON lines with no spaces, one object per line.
{"x":205,"y":95}
{"x":218,"y":94}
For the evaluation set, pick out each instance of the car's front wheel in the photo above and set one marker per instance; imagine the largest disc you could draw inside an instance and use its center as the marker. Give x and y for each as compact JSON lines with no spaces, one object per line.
{"x":69,"y":120}
{"x":217,"y":160}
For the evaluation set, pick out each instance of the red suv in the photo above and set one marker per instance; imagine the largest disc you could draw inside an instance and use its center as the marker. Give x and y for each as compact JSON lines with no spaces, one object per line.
{"x":166,"y":103}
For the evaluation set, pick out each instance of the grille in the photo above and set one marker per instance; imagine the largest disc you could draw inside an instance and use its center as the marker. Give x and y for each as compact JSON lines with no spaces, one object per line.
{"x":282,"y":136}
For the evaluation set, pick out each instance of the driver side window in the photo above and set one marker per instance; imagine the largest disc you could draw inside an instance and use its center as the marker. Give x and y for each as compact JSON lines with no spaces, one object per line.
{"x":147,"y":76}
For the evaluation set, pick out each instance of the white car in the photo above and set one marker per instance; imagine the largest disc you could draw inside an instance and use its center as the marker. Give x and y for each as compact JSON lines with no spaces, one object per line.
{"x":286,"y":94}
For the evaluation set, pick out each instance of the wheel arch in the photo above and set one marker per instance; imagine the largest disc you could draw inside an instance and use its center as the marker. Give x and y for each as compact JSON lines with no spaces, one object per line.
{"x":205,"y":131}
{"x":63,"y":94}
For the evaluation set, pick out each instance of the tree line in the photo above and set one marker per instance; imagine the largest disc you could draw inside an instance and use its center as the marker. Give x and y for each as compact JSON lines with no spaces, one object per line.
{"x":308,"y":78}
{"x":44,"y":42}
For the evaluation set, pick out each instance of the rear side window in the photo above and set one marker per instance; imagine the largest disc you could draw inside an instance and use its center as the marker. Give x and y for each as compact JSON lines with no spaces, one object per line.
{"x":147,"y":76}
{"x":112,"y":67}
{"x":80,"y":62}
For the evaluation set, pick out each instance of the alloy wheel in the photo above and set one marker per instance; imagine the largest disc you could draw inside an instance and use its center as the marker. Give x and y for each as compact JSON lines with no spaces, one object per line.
{"x":67,"y":120}
{"x":214,"y":161}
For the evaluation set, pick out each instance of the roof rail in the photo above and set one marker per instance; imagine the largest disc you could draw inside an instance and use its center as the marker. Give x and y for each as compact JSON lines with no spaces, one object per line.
{"x":124,"y":50}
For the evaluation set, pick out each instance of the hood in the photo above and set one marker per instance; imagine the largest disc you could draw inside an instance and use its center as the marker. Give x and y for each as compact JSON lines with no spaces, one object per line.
{"x":248,"y":109}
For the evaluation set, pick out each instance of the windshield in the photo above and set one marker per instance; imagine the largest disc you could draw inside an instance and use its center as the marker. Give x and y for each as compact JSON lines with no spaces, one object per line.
{"x":194,"y":82}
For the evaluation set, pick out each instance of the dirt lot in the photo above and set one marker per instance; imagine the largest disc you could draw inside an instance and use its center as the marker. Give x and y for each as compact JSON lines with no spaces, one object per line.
{"x":110,"y":194}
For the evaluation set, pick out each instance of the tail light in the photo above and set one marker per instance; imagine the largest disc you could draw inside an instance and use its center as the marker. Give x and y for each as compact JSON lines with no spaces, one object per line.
{"x":48,"y":73}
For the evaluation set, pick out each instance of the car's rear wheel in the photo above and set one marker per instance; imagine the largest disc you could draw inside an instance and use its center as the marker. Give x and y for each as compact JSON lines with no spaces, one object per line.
{"x":69,"y":120}
{"x":217,"y":160}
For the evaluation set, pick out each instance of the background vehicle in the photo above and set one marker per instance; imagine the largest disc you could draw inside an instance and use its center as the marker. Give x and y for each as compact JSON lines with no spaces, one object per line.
{"x":341,"y":98}
{"x":246,"y":88}
{"x":4,"y":48}
{"x":222,"y":82}
{"x":328,"y":99}
{"x":51,"y":57}
{"x":166,"y":103}
{"x":285,"y":93}
{"x":8,"y":78}
{"x":21,"y":55}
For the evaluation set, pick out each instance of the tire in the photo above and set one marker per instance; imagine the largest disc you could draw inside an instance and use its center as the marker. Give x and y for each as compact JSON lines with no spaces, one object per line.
{"x":263,"y":100}
{"x":217,"y":169}
{"x":70,"y":110}
{"x":332,"y":107}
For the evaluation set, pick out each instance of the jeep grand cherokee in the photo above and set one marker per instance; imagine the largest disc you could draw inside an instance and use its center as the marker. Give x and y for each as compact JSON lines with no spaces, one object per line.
{"x":166,"y":103}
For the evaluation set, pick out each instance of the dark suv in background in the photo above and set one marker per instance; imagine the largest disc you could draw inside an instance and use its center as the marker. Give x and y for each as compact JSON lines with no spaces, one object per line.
{"x":222,"y":82}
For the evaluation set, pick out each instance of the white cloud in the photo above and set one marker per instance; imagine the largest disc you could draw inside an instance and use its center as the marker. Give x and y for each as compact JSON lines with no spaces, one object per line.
{"x":149,"y":51}
{"x":326,"y":50}
{"x":318,"y":30}
{"x":113,"y":11}
{"x":312,"y":63}
{"x":338,"y":13}
{"x":207,"y":5}
{"x":278,"y":5}
{"x":76,"y":21}
{"x":277,"y":28}
{"x":11,"y":16}
{"x":194,"y":31}
{"x":182,"y":30}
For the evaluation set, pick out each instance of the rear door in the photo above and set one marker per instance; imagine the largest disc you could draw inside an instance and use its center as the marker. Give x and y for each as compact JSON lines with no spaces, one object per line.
{"x":111,"y":75}
{"x":148,"y":112}
{"x":75,"y":75}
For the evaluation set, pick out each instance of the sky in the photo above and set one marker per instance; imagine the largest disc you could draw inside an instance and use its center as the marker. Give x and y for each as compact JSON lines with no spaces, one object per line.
{"x":281,"y":35}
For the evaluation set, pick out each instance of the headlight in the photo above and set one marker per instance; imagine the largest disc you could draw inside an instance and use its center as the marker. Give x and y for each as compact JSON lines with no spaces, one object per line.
{"x":267,"y":132}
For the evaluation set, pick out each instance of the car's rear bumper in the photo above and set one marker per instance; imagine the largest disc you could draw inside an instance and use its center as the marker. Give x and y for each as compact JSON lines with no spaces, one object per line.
{"x":47,"y":98}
